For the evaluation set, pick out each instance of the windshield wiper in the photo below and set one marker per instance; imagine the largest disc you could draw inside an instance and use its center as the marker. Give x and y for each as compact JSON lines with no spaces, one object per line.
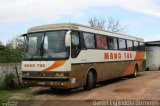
{"x":42,"y":47}
{"x":41,"y":50}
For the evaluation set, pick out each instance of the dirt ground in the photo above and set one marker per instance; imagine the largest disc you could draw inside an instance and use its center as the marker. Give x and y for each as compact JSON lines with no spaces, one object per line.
{"x":144,"y":87}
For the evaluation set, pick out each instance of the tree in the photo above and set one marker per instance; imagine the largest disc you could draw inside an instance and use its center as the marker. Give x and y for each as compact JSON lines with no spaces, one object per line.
{"x":111,"y":25}
{"x":18,"y":42}
{"x":97,"y":23}
{"x":21,"y":43}
{"x":9,"y":54}
{"x":1,"y":45}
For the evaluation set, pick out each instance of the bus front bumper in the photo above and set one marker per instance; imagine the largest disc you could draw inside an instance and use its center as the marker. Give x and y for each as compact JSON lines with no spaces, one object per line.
{"x":55,"y":82}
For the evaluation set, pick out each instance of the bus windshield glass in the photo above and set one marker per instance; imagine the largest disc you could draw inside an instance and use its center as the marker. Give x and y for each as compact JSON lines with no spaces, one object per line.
{"x":46,"y":45}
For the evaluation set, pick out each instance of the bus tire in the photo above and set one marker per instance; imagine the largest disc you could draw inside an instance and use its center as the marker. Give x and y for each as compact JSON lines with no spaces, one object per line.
{"x":56,"y":90}
{"x":89,"y":81}
{"x":135,"y":74}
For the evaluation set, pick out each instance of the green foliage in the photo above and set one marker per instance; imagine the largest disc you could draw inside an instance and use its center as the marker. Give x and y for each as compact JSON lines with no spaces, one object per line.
{"x":9,"y":81}
{"x":8,"y":54}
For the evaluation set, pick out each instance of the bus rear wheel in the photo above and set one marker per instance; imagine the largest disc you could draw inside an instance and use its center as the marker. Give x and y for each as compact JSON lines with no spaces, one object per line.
{"x":90,"y":81}
{"x":135,"y":74}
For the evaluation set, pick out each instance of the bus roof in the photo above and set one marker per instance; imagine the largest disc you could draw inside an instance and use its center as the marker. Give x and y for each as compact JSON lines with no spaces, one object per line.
{"x":74,"y":26}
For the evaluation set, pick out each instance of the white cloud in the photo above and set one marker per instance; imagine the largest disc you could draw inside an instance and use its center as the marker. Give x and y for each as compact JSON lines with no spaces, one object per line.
{"x":152,"y":38}
{"x":143,"y":6}
{"x":13,"y":12}
{"x":22,"y":10}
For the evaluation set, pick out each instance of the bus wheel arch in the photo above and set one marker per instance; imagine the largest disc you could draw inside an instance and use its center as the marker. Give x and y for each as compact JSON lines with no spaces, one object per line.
{"x":90,"y":79}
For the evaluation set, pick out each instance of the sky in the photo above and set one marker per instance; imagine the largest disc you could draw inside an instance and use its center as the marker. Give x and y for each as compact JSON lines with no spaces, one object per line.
{"x":141,"y":18}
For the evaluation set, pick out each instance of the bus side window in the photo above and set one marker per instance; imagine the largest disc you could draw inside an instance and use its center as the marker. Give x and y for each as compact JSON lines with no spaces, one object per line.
{"x":122,"y":44}
{"x":89,"y":40}
{"x":129,"y":45}
{"x":112,"y":42}
{"x":136,"y":47}
{"x":141,"y":46}
{"x":75,"y":47}
{"x":101,"y":42}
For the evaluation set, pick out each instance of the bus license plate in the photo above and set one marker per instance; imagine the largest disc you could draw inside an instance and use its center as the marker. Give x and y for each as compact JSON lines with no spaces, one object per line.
{"x":41,"y":83}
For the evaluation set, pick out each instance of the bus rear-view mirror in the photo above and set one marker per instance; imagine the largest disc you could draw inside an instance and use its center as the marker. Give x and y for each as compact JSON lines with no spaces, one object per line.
{"x":68,"y":39}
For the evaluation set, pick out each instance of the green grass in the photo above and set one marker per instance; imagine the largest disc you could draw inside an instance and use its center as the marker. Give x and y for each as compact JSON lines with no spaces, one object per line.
{"x":6,"y":93}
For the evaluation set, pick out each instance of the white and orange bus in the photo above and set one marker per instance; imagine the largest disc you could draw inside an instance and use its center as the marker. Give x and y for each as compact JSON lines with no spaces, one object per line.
{"x":71,"y":55}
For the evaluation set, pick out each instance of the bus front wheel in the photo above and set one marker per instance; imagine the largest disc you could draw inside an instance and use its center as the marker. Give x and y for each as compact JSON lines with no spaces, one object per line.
{"x":56,"y":90}
{"x":90,"y":81}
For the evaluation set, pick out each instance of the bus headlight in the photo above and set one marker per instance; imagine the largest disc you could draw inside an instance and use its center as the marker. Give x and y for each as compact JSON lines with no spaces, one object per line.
{"x":61,"y":83}
{"x":25,"y":73}
{"x":73,"y":80}
{"x":59,"y":75}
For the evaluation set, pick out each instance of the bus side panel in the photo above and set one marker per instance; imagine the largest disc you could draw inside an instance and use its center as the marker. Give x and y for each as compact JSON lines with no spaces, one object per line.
{"x":111,"y":70}
{"x":104,"y":70}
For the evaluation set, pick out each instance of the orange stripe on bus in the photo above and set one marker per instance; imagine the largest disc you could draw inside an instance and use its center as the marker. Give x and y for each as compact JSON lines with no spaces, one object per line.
{"x":130,"y":69}
{"x":139,"y":55}
{"x":54,"y":66}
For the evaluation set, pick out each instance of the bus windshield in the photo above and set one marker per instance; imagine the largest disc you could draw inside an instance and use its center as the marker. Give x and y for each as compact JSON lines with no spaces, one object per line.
{"x":46,"y":45}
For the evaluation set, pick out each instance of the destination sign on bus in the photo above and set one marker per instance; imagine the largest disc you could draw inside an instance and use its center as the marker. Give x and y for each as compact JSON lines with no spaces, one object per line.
{"x":117,"y":55}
